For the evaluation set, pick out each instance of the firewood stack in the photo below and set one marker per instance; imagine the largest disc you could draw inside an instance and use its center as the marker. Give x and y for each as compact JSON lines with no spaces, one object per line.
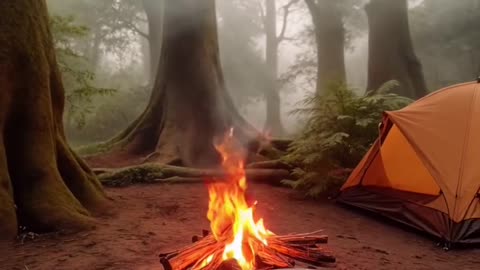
{"x":288,"y":251}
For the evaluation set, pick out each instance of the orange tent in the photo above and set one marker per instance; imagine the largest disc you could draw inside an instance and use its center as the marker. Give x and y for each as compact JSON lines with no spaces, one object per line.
{"x":424,"y":169}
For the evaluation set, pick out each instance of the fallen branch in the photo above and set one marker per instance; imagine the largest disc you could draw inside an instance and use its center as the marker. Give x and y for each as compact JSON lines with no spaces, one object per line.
{"x":281,"y":144}
{"x":155,"y":173}
{"x":269,"y":164}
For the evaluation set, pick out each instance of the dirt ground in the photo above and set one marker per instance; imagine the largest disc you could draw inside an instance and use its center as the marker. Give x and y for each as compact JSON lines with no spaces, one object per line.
{"x":157,"y":218}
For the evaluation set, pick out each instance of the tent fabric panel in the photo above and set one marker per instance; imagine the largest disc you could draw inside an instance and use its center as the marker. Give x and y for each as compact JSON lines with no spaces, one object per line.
{"x":375,"y":173}
{"x":403,"y":168}
{"x":415,"y":215}
{"x":473,"y":209}
{"x":469,"y":178}
{"x":429,"y":221}
{"x":357,"y":173}
{"x":437,"y":144}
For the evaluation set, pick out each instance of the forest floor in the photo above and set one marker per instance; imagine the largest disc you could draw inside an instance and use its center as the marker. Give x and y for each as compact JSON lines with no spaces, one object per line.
{"x":157,"y":218}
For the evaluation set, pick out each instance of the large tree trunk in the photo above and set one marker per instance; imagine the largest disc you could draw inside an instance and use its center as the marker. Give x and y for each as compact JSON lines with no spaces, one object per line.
{"x":154,"y":11}
{"x":391,"y":52}
{"x":273,"y":122}
{"x":189,"y":106}
{"x":43,"y":184}
{"x":330,"y":39}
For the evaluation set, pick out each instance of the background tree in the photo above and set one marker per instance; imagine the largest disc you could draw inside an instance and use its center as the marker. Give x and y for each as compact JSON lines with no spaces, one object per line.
{"x":114,"y":29}
{"x":446,"y":28}
{"x":44,"y":185}
{"x":273,"y":122}
{"x":329,"y":31}
{"x":74,"y":67}
{"x":391,"y":53}
{"x":319,"y":63}
{"x":153,"y":11}
{"x":110,"y":26}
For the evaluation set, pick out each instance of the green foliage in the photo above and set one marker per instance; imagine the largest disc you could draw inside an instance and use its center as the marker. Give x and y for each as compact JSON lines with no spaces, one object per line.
{"x":132,"y":175}
{"x":77,"y":78}
{"x":110,"y":116}
{"x":340,"y":127}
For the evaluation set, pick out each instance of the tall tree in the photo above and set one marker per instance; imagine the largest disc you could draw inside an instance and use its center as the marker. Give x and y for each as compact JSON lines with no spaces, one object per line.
{"x":273,"y":122}
{"x":153,"y":10}
{"x":391,"y":52}
{"x":189,"y":106}
{"x":446,"y":28}
{"x":329,"y":31}
{"x":43,"y":184}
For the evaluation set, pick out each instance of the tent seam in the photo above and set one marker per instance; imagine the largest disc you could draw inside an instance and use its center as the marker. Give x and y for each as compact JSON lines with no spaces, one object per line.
{"x":464,"y":148}
{"x":440,"y":91}
{"x":475,"y":93}
{"x":417,"y":152}
{"x":379,"y":142}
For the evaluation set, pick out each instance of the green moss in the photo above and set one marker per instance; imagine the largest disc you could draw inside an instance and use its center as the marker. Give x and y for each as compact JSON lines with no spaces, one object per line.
{"x":52,"y":188}
{"x":8,"y":224}
{"x":133,"y":175}
{"x":85,"y":187}
{"x":50,"y":206}
{"x":94,"y":149}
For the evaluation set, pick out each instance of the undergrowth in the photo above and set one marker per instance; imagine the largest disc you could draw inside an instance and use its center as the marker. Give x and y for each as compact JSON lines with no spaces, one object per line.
{"x":340,"y":128}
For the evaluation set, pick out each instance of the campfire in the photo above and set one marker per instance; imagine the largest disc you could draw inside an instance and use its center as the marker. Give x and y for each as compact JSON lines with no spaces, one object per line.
{"x":236,"y":240}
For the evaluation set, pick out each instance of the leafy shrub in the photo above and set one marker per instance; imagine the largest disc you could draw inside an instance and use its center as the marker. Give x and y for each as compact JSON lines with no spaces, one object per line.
{"x":340,"y":127}
{"x":77,"y":78}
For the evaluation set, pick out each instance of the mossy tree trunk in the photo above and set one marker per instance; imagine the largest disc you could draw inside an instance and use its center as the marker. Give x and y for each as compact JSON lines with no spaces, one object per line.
{"x":43,"y":184}
{"x":391,"y":52}
{"x":189,"y":106}
{"x":330,"y":40}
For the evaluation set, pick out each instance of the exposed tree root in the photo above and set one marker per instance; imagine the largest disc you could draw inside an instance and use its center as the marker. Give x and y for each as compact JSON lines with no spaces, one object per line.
{"x":281,"y":144}
{"x":269,"y":164}
{"x":155,"y":173}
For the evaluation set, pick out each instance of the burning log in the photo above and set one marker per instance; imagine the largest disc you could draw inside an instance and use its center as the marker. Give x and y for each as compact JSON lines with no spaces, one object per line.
{"x":285,"y":251}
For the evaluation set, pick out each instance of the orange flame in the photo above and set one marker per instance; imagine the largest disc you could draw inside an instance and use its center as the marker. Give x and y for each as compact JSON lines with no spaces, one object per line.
{"x":231,"y":218}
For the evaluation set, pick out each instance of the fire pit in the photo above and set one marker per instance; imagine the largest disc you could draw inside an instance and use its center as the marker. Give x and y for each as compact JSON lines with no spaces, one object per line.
{"x":236,"y":240}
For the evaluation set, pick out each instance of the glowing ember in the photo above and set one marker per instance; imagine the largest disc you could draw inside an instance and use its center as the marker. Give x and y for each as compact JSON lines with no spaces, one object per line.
{"x":231,"y":218}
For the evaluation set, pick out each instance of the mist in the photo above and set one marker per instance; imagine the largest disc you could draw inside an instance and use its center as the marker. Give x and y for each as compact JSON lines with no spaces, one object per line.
{"x":233,"y":128}
{"x":115,"y":50}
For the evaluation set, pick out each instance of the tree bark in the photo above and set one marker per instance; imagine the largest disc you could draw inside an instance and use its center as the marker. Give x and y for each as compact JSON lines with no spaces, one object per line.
{"x":273,"y":122}
{"x":391,"y":51}
{"x":330,"y":40}
{"x":43,"y":184}
{"x":154,"y":11}
{"x":189,"y":106}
